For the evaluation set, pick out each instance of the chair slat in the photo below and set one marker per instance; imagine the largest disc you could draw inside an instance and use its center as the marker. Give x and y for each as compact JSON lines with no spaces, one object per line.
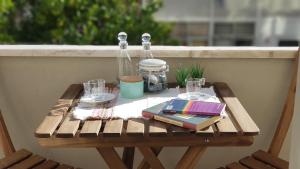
{"x":64,"y":166}
{"x":235,"y":165}
{"x":49,"y":164}
{"x":135,"y":127}
{"x":14,"y":158}
{"x":240,"y":114}
{"x":68,"y":128}
{"x":48,"y":126}
{"x":30,"y":162}
{"x":113,"y":128}
{"x":254,"y":164}
{"x":91,"y":128}
{"x":157,"y":128}
{"x":270,"y":159}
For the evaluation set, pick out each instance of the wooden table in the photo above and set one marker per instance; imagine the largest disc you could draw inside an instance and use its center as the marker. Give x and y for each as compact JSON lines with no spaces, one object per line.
{"x":146,"y":135}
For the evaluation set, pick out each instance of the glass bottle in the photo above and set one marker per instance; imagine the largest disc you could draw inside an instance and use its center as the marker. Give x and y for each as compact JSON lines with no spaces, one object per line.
{"x":124,"y":61}
{"x":147,"y":54}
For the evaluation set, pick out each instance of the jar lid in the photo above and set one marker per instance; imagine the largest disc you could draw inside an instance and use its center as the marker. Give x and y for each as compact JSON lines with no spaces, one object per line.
{"x":152,"y":64}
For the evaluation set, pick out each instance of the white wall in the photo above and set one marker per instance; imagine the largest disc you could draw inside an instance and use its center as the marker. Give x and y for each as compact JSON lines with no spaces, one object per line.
{"x":30,"y":85}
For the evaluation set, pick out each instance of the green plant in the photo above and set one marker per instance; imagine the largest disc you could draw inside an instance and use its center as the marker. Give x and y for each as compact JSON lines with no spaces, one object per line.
{"x":196,"y":71}
{"x":81,"y":21}
{"x":181,"y":76}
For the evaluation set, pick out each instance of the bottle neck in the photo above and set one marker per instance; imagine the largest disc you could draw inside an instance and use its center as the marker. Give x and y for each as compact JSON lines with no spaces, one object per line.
{"x":147,"y":54}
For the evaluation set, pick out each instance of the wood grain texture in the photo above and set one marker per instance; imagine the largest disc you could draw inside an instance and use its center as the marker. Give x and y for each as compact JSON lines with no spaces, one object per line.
{"x":151,"y":157}
{"x":135,"y":127}
{"x":254,"y":164}
{"x":91,"y":128}
{"x":48,"y":126}
{"x":68,"y":128}
{"x":287,"y":113}
{"x":30,"y":162}
{"x":128,"y":156}
{"x":111,"y":158}
{"x":236,"y":165}
{"x":64,"y":166}
{"x":270,"y":159}
{"x":191,"y":157}
{"x":14,"y":158}
{"x":179,"y":140}
{"x":226,"y":127}
{"x":5,"y":140}
{"x":176,"y":130}
{"x":157,"y":128}
{"x":238,"y":112}
{"x":49,"y":164}
{"x":144,"y":164}
{"x":113,"y":128}
{"x":208,"y":131}
{"x":66,"y":100}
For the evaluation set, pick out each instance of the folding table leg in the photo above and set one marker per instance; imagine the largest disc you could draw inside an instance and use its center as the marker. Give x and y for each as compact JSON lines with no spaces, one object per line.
{"x":111,"y":157}
{"x":151,"y":158}
{"x":128,"y":156}
{"x":190,"y":158}
{"x":144,"y":164}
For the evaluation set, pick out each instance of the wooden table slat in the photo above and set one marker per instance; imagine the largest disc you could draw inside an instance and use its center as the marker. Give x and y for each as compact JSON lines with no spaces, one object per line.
{"x":176,"y":130}
{"x":68,"y":128}
{"x":226,"y":126}
{"x":113,"y":128}
{"x":239,"y":113}
{"x":71,"y":93}
{"x":157,"y":128}
{"x":91,"y":128}
{"x":48,"y":126}
{"x":65,"y":101}
{"x":206,"y":131}
{"x":135,"y":127}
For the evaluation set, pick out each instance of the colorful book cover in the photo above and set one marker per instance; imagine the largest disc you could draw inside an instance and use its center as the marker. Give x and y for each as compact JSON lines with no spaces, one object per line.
{"x":194,"y":107}
{"x":183,"y":120}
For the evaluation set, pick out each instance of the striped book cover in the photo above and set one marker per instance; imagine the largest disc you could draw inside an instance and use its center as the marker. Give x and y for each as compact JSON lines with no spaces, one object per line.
{"x":194,"y":107}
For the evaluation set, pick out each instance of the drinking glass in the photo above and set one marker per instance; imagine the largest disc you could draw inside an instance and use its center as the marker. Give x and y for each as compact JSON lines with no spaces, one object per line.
{"x":94,"y":88}
{"x":193,"y":87}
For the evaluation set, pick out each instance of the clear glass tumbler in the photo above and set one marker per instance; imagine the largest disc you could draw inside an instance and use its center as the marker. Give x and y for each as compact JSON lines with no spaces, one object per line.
{"x":193,"y":87}
{"x":94,"y":88}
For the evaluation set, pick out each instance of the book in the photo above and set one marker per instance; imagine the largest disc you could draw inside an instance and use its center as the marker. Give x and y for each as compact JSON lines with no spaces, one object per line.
{"x":183,"y":120}
{"x":194,"y":107}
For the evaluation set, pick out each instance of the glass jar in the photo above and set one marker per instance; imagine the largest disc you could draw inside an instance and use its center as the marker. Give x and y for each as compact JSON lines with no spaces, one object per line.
{"x":154,"y":73}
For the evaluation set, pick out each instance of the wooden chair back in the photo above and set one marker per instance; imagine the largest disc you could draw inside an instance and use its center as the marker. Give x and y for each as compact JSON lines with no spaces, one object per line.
{"x":5,"y":141}
{"x":287,"y":113}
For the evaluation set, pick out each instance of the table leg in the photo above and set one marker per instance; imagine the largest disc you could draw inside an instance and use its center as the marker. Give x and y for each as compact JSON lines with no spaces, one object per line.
{"x":128,"y":156}
{"x":144,"y":164}
{"x":191,"y":157}
{"x":111,"y":157}
{"x":151,"y":158}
